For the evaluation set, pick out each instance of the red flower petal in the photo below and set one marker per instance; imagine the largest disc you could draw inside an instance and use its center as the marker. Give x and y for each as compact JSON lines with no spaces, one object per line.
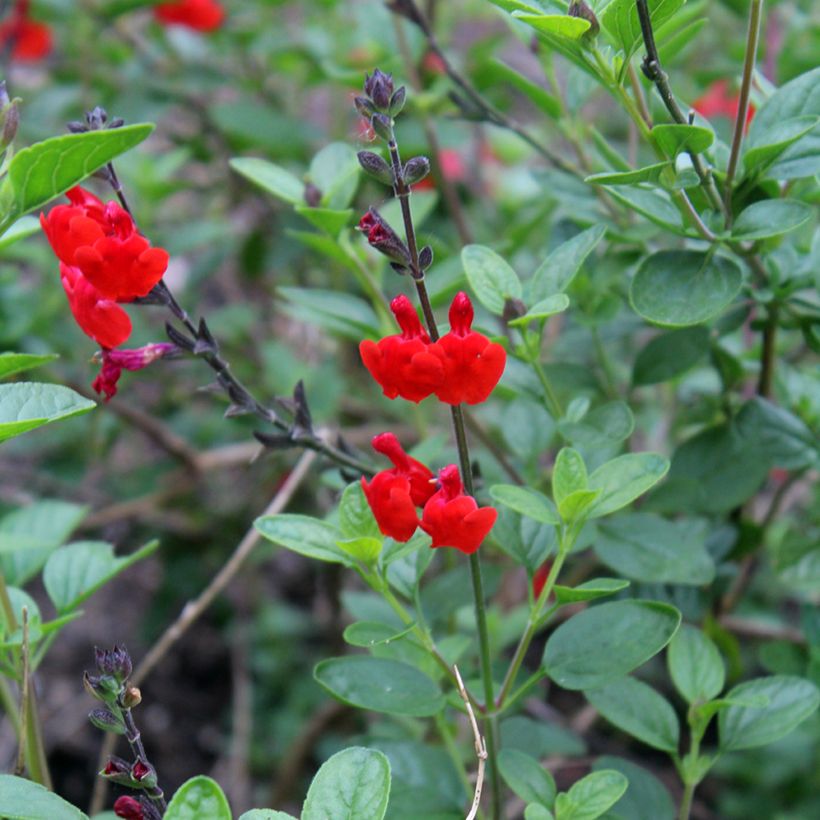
{"x":100,"y":318}
{"x":200,"y":15}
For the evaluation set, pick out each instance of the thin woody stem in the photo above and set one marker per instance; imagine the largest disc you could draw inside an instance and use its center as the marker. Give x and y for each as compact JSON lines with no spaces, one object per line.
{"x":134,"y":738}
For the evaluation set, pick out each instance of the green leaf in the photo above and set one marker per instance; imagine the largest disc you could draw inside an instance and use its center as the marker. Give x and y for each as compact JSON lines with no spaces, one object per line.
{"x":649,"y":173}
{"x":575,"y":507}
{"x":556,"y":272}
{"x":75,"y":572}
{"x":354,"y":784}
{"x":47,"y":169}
{"x":670,"y":354}
{"x":591,"y":796}
{"x":371,"y":633}
{"x":22,"y":228}
{"x":645,"y":799}
{"x":648,"y":548}
{"x":539,"y":739}
{"x":22,"y":799}
{"x":197,"y":798}
{"x":422,"y":204}
{"x":25,"y":406}
{"x":684,"y":287}
{"x":589,"y":590}
{"x":620,"y":20}
{"x":770,"y":217}
{"x":602,"y":427}
{"x":380,"y":685}
{"x":569,"y":474}
{"x":11,"y":363}
{"x":623,"y":479}
{"x":537,"y":95}
{"x":526,"y":777}
{"x":556,"y":25}
{"x":325,"y":219}
{"x":673,"y":139}
{"x":607,"y":641}
{"x":29,"y":535}
{"x":526,"y":501}
{"x":655,"y":205}
{"x":542,"y":310}
{"x":305,"y":535}
{"x":364,"y":549}
{"x":355,"y":516}
{"x":695,"y":665}
{"x":637,"y":709}
{"x":266,"y":814}
{"x":493,"y":281}
{"x":335,"y":172}
{"x":535,"y":811}
{"x":13,"y":633}
{"x":757,"y":158}
{"x":271,"y":178}
{"x":342,"y":313}
{"x":790,"y":701}
{"x":799,"y":97}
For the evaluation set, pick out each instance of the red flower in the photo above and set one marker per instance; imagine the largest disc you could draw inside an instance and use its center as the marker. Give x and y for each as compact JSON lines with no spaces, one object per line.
{"x":452,"y":167}
{"x":472,"y":364}
{"x":100,"y":318}
{"x":540,"y":578}
{"x":28,"y":39}
{"x":716,"y":101}
{"x":103,"y":242}
{"x":454,"y":519}
{"x":383,"y":238}
{"x":200,"y":15}
{"x":393,"y":495}
{"x":403,"y":364}
{"x":115,"y":361}
{"x":129,"y":808}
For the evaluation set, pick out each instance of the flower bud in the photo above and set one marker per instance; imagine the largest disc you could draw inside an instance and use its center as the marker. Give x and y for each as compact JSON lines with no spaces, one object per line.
{"x":397,"y":101}
{"x":578,"y":8}
{"x":379,"y":88}
{"x":116,"y":662}
{"x":383,"y":126}
{"x":101,"y":687}
{"x":375,"y":166}
{"x":131,"y":697}
{"x":312,"y":195}
{"x":9,"y":117}
{"x":118,"y":771}
{"x":144,"y":774}
{"x":383,"y":238}
{"x":128,"y":808}
{"x":364,"y":106}
{"x":416,"y":169}
{"x":425,"y":257}
{"x":107,"y":721}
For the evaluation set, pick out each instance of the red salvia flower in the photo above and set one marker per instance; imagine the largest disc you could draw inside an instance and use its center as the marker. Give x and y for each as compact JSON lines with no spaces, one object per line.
{"x":28,"y":39}
{"x":115,"y":361}
{"x":472,"y":364}
{"x":393,"y":495}
{"x":454,"y":519}
{"x":102,"y":240}
{"x":100,"y":318}
{"x":129,"y":808}
{"x":403,"y":364}
{"x":540,"y":578}
{"x":718,"y":101}
{"x":200,"y":15}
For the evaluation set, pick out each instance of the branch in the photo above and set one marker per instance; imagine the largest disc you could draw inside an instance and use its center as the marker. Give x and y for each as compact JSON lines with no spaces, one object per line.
{"x":480,"y":746}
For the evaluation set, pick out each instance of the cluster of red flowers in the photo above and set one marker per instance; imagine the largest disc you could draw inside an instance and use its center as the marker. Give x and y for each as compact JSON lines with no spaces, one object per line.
{"x":463,"y":366}
{"x":104,"y":260}
{"x":27,"y":39}
{"x":450,"y":517}
{"x":200,"y":15}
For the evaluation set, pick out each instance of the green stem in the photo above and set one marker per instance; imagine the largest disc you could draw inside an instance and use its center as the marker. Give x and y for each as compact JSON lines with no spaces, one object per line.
{"x":606,"y":364}
{"x":686,"y":801}
{"x":452,"y":751}
{"x":9,"y":705}
{"x":35,"y":748}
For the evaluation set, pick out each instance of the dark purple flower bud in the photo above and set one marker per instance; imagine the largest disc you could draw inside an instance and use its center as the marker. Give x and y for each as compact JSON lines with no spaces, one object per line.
{"x":425,"y":257}
{"x":144,"y":774}
{"x":397,"y":101}
{"x":312,"y":195}
{"x":9,"y":118}
{"x":383,"y":238}
{"x":107,"y":721}
{"x":364,"y":107}
{"x":116,"y":662}
{"x":118,"y":771}
{"x":101,"y":687}
{"x":376,"y":167}
{"x":383,"y":126}
{"x":379,"y":87}
{"x":513,"y":309}
{"x":128,"y":808}
{"x":578,"y":8}
{"x":416,"y":169}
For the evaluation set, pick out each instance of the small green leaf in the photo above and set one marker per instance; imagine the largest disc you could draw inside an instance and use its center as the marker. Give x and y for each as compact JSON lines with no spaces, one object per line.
{"x":271,"y":178}
{"x":679,"y":288}
{"x":47,"y":169}
{"x":22,"y":799}
{"x":266,"y":814}
{"x":695,"y":665}
{"x":602,"y":427}
{"x":526,"y":777}
{"x":25,"y":406}
{"x":670,"y":354}
{"x":197,"y":798}
{"x":371,"y":633}
{"x":623,"y":479}
{"x":11,"y":363}
{"x":335,"y":171}
{"x":556,"y":25}
{"x":365,"y":549}
{"x":649,"y":173}
{"x":790,"y":701}
{"x":537,"y":95}
{"x":637,"y":709}
{"x":493,"y":281}
{"x":569,"y":474}
{"x":355,"y":516}
{"x":556,"y":272}
{"x":526,"y":501}
{"x":589,"y":590}
{"x":75,"y":572}
{"x":354,"y":784}
{"x":770,"y":217}
{"x":645,"y":799}
{"x":380,"y":684}
{"x":620,"y":21}
{"x":758,"y":157}
{"x":325,"y":219}
{"x":535,"y":811}
{"x":591,"y":796}
{"x":607,"y":641}
{"x":655,"y":205}
{"x":22,"y":228}
{"x":539,"y":739}
{"x":575,"y":507}
{"x":305,"y":535}
{"x":673,"y":139}
{"x":542,"y":310}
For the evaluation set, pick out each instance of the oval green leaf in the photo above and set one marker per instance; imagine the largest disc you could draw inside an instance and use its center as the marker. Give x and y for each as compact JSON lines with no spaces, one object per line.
{"x":591,"y":796}
{"x":491,"y":278}
{"x":11,"y":363}
{"x":25,"y":406}
{"x":305,"y":535}
{"x":623,"y":479}
{"x":526,"y":501}
{"x":21,"y":799}
{"x":197,"y":798}
{"x":271,"y":178}
{"x":526,"y":777}
{"x":771,"y":217}
{"x":695,"y":665}
{"x":589,"y":590}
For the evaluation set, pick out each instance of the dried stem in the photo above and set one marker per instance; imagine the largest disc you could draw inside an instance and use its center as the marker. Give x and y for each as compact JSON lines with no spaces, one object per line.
{"x":134,"y":738}
{"x":480,"y":746}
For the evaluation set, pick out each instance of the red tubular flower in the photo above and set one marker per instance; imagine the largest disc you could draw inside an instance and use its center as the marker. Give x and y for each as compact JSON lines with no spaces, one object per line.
{"x":454,"y":519}
{"x":472,"y":364}
{"x":103,"y":242}
{"x":540,"y":578}
{"x":29,"y":40}
{"x":393,"y":495}
{"x":100,"y":318}
{"x":200,"y":15}
{"x":717,"y":101}
{"x":403,"y":364}
{"x":129,"y":808}
{"x":115,"y":361}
